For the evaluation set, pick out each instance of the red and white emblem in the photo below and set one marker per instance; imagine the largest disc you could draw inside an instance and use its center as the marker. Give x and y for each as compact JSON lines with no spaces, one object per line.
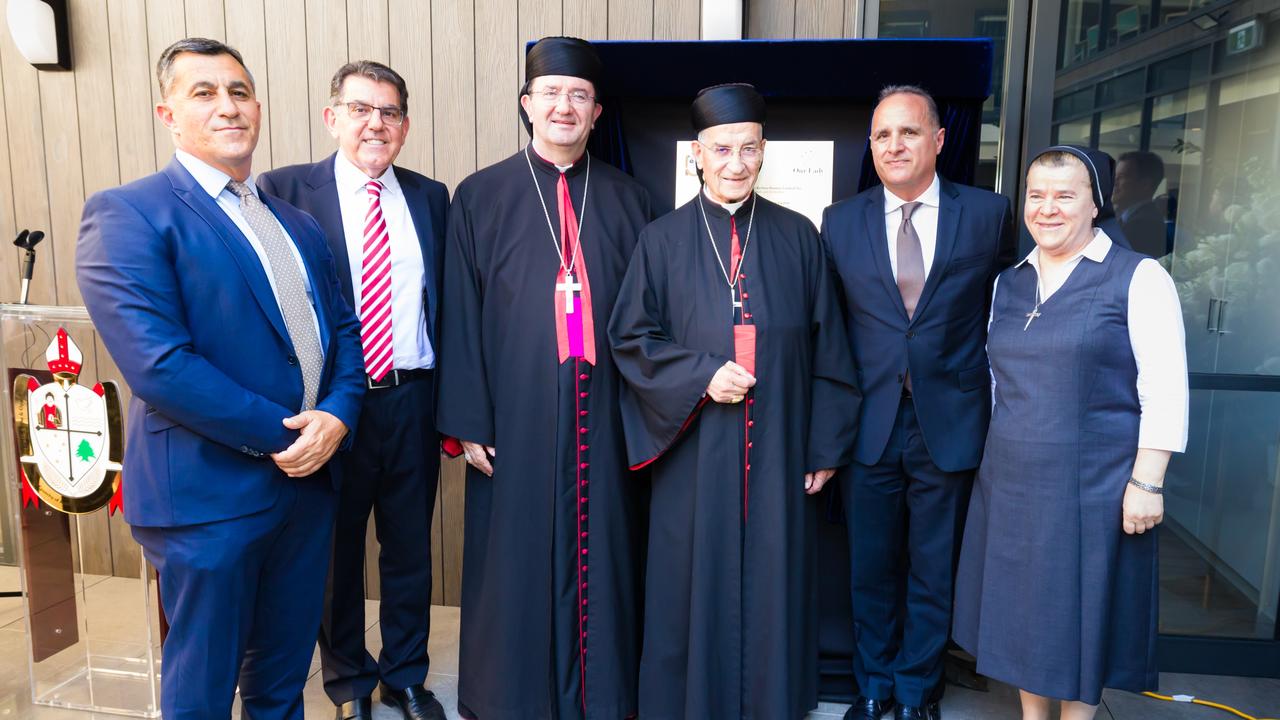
{"x":72,"y":447}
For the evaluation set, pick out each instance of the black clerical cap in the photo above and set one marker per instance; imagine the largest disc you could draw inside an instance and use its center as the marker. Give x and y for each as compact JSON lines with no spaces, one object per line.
{"x":725,"y":104}
{"x":563,"y":56}
{"x":1102,"y":173}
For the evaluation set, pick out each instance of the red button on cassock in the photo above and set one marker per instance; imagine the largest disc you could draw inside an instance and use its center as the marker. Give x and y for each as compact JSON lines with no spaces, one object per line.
{"x":582,"y":447}
{"x":583,"y":376}
{"x":582,"y":413}
{"x":582,"y":466}
{"x":584,"y":534}
{"x":582,"y":394}
{"x":584,"y":550}
{"x":751,"y":423}
{"x":582,"y":430}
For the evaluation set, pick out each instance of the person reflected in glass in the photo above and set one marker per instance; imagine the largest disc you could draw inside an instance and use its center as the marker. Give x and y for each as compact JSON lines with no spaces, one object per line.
{"x":1057,"y":583}
{"x":1140,"y":212}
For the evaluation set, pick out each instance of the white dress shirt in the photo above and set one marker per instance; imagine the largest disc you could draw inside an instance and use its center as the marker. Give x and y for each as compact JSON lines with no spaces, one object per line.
{"x":214,"y":182}
{"x":1157,"y":338}
{"x":924,"y":219}
{"x":410,"y":347}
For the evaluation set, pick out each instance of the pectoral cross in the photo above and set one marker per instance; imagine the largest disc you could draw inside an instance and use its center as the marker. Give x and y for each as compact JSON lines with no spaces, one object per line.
{"x":568,"y":287}
{"x":1035,"y":313}
{"x":733,"y":297}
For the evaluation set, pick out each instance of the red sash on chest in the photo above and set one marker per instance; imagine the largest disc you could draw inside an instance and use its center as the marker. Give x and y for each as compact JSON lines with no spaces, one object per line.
{"x":744,"y":335}
{"x":575,"y":331}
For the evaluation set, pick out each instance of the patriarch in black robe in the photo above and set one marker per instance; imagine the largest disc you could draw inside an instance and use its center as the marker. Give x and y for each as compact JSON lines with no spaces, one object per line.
{"x":741,"y":399}
{"x":537,"y":246}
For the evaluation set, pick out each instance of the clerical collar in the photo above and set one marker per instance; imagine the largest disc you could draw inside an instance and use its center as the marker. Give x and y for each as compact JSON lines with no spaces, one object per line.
{"x":545,"y":165}
{"x":731,"y":208}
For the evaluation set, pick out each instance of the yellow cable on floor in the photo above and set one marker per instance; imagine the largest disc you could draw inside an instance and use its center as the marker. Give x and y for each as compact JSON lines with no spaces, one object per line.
{"x":1197,"y":701}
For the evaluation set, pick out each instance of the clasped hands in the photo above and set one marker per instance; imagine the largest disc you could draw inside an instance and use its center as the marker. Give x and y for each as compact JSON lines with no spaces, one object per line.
{"x":319,"y":434}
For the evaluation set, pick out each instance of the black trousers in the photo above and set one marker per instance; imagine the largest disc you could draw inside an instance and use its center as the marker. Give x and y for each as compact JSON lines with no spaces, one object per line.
{"x":905,"y":516}
{"x":392,"y":470}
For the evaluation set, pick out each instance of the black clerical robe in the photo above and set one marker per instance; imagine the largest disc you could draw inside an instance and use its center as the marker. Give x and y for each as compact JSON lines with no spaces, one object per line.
{"x":551,"y":581}
{"x":730,"y":605}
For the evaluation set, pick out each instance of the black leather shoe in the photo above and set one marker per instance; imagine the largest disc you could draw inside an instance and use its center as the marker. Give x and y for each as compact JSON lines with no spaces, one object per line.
{"x":414,"y":702}
{"x":928,"y":711}
{"x":864,"y":708}
{"x":358,"y":709}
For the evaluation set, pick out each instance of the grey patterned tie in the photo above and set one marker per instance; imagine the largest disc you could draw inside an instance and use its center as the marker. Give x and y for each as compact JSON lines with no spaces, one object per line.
{"x":291,"y":291}
{"x":910,"y":267}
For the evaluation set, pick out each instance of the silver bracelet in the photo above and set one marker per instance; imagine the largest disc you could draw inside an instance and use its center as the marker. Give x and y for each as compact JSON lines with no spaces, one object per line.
{"x":1153,"y":489}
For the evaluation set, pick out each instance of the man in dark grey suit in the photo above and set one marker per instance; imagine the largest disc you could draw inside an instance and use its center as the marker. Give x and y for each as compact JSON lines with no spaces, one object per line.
{"x":385,"y":226}
{"x":917,"y":257}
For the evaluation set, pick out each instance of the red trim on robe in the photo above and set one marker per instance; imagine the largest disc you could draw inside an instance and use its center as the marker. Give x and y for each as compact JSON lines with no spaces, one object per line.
{"x":117,"y":498}
{"x":687,"y":422}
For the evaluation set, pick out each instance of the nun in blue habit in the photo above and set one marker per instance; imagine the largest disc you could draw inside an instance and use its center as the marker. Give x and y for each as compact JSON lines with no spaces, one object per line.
{"x":1056,"y":591}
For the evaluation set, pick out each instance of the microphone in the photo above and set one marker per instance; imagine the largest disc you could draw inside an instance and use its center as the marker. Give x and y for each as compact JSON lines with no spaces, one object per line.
{"x":27,"y":241}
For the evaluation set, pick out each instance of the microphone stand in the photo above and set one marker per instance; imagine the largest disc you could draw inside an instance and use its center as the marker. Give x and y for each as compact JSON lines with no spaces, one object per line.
{"x":27,"y":241}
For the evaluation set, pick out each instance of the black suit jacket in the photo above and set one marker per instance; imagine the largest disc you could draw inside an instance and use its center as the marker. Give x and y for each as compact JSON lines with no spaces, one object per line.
{"x":311,"y":187}
{"x":944,"y":343}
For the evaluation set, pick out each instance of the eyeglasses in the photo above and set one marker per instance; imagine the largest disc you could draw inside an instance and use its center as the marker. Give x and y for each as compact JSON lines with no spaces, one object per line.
{"x":361,"y":112}
{"x":748,"y":153}
{"x":553,"y":95}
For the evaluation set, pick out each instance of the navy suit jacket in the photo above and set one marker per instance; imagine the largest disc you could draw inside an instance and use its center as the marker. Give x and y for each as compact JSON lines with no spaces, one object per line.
{"x":311,"y":187}
{"x":184,"y":306}
{"x":944,"y":343}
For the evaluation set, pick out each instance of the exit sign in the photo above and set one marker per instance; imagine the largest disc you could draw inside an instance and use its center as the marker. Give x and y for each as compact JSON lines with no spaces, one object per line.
{"x":1244,"y":37}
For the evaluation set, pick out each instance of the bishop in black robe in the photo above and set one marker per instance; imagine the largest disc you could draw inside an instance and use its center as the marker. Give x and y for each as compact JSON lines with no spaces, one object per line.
{"x":730,"y":627}
{"x":552,"y":542}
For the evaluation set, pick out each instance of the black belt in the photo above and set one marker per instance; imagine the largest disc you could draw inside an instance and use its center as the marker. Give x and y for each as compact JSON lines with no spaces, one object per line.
{"x":395,"y":378}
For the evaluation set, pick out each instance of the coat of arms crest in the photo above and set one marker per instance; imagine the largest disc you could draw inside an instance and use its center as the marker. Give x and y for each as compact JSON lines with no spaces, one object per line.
{"x":70,"y":437}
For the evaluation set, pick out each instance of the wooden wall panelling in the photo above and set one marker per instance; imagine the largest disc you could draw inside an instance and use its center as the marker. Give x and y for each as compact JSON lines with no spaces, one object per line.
{"x":61,"y":128}
{"x":166,"y":24}
{"x":537,"y":19}
{"x":677,"y":19}
{"x":9,"y":285}
{"x":630,"y":19}
{"x":410,"y":55}
{"x":95,"y":98}
{"x":286,"y":76}
{"x":326,"y":52}
{"x":368,"y":31}
{"x":452,"y":526}
{"x":819,"y":18}
{"x":437,"y":553}
{"x":246,"y":32}
{"x":453,"y":65}
{"x":586,"y":19}
{"x":499,"y":73}
{"x":133,"y":83}
{"x":850,"y":18}
{"x":453,"y":78}
{"x":27,"y":163}
{"x":773,"y":19}
{"x":206,"y":18}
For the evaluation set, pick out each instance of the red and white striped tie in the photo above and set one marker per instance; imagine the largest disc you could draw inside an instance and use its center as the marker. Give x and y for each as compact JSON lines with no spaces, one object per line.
{"x":375,"y":288}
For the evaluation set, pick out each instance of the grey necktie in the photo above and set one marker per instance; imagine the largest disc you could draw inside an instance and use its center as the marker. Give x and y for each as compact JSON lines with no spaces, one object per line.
{"x":291,"y":291}
{"x":910,"y":261}
{"x":910,"y":267}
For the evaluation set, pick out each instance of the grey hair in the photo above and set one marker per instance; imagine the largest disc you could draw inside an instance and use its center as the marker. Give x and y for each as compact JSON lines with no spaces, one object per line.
{"x":376,"y":72}
{"x":889,"y":90}
{"x":199,"y":46}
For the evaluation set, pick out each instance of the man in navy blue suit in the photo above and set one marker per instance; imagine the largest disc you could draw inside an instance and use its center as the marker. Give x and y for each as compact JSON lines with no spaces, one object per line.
{"x":916,"y":256}
{"x":221,"y":307}
{"x":385,"y":226}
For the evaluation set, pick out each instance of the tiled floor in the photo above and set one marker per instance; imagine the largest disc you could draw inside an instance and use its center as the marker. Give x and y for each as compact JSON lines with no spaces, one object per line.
{"x":1260,"y":698}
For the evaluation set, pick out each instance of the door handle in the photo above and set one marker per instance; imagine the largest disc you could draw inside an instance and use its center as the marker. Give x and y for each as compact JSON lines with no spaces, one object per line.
{"x":1221,"y":323}
{"x":1212,"y":325}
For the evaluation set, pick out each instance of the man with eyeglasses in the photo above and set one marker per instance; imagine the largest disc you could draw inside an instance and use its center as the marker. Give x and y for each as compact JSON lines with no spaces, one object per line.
{"x":536,"y":248}
{"x":740,"y":398}
{"x":385,"y":225}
